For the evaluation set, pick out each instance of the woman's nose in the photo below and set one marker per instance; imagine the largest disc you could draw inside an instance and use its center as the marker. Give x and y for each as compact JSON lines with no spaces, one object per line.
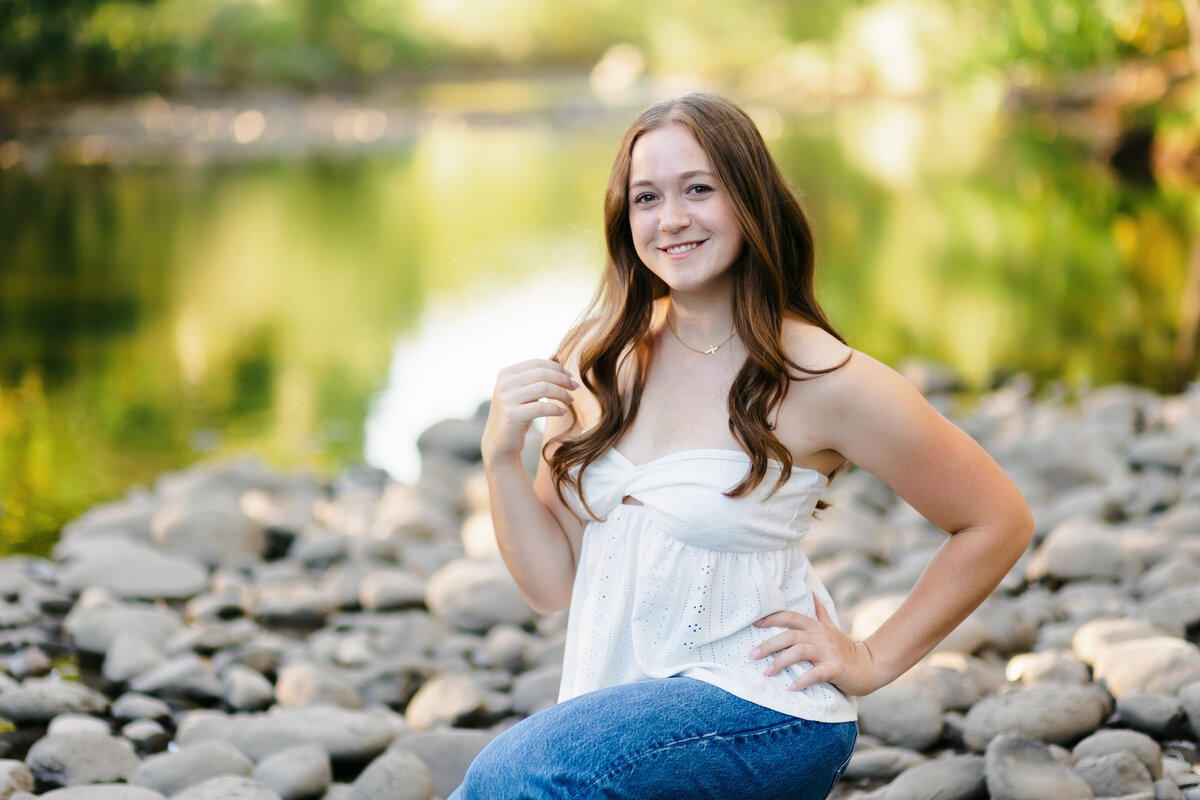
{"x":674,"y":215}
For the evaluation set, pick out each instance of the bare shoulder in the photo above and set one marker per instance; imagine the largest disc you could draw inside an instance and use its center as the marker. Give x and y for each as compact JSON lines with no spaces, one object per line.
{"x":812,"y":347}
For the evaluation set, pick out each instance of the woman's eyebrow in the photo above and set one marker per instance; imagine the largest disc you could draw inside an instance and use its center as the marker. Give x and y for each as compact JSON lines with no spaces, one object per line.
{"x":691,"y":173}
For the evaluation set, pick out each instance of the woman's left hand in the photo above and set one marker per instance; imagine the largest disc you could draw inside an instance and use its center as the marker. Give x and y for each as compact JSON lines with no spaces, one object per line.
{"x":834,"y":656}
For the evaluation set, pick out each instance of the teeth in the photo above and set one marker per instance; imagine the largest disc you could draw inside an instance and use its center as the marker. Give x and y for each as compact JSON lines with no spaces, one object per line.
{"x":682,"y":248}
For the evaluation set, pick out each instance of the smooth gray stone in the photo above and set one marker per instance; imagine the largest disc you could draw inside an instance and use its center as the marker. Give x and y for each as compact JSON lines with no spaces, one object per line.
{"x":171,"y":773}
{"x":131,"y":655}
{"x":1115,"y":774}
{"x":296,"y":773}
{"x":393,"y":680}
{"x":78,"y":723}
{"x":954,"y":680}
{"x":1174,"y":610}
{"x":1159,"y":449}
{"x":186,"y":676}
{"x":447,"y":752}
{"x":307,"y":684}
{"x":228,"y":787}
{"x":1094,"y":637}
{"x":1162,"y":664}
{"x":951,"y":778}
{"x":14,"y":777}
{"x":900,"y":716}
{"x":1170,"y":573}
{"x":1081,"y":548}
{"x":246,"y":689}
{"x":205,"y":724}
{"x":475,"y":595}
{"x":1167,"y":789}
{"x":1020,"y":768}
{"x":136,"y":572}
{"x":1155,"y":713}
{"x":1189,"y":700}
{"x":1048,"y":666}
{"x":296,"y":602}
{"x":348,"y":735}
{"x":123,"y":519}
{"x":536,"y":689}
{"x":114,"y":791}
{"x":1051,"y":712}
{"x":395,"y":775}
{"x":1105,"y":742}
{"x":507,"y":647}
{"x":881,"y":763}
{"x":147,"y":736}
{"x":72,"y":759}
{"x":392,"y":589}
{"x":43,"y":699}
{"x":209,"y":533}
{"x":133,"y":705}
{"x":447,"y":699}
{"x":93,"y":628}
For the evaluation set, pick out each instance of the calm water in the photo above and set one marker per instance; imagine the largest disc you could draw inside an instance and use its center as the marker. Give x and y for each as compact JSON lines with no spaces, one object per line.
{"x":323,"y":312}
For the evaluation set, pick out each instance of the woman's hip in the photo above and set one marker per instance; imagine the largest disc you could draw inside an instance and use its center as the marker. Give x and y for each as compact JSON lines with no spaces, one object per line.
{"x":672,"y":737}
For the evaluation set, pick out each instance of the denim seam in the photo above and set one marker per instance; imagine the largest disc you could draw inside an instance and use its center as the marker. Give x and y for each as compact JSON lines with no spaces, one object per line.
{"x":630,"y":761}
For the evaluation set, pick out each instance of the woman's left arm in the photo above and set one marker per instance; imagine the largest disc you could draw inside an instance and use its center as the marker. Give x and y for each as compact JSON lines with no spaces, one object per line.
{"x":880,"y":422}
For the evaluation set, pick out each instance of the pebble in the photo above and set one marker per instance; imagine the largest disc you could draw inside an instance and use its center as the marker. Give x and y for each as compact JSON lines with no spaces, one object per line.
{"x":1052,"y":712}
{"x":1161,"y":664}
{"x":171,"y":773}
{"x":1115,"y":774}
{"x":395,"y":775}
{"x":1155,"y":713}
{"x":43,"y":699}
{"x":949,"y":778}
{"x":296,"y":773}
{"x":71,"y":759}
{"x":1108,"y":742}
{"x":447,"y":752}
{"x":475,"y":595}
{"x":898,"y":715}
{"x":875,"y":763}
{"x":1021,"y":768}
{"x":228,"y":787}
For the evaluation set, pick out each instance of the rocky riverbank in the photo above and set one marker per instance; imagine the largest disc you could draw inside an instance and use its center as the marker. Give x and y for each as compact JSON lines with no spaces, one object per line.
{"x":243,"y":633}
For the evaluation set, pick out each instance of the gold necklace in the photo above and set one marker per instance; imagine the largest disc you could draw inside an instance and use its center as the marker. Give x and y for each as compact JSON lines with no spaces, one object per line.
{"x":708,"y":351}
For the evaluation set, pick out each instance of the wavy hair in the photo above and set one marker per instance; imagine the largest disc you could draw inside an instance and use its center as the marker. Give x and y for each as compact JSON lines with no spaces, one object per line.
{"x":773,"y":277}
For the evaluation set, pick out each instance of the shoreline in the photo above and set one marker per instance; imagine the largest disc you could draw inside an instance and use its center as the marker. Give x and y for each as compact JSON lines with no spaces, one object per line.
{"x":293,"y":636}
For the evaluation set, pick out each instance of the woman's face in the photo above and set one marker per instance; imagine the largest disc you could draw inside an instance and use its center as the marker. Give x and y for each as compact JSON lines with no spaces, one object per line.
{"x":682,"y":224}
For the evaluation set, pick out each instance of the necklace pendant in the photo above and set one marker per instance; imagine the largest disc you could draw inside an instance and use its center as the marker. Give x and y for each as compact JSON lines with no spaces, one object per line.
{"x":710,"y":351}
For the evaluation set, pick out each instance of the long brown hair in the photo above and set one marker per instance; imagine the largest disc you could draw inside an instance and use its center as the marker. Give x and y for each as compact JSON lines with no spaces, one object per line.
{"x":773,"y":277}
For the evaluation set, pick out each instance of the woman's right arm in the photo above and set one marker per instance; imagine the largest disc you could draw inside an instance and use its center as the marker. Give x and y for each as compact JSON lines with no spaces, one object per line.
{"x":539,"y":537}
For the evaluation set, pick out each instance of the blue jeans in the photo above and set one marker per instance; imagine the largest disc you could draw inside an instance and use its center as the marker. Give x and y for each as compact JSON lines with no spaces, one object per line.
{"x":658,"y":739}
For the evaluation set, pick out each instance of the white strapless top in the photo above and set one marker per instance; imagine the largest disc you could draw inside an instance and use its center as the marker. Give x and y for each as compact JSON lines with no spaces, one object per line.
{"x":672,"y":587}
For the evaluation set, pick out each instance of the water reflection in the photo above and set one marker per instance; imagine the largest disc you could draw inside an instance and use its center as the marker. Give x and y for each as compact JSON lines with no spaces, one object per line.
{"x":319,"y":311}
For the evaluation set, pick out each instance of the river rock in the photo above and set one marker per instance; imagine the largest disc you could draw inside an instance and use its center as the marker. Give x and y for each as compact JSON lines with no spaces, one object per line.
{"x":1175,"y":610}
{"x":96,"y":621}
{"x":307,"y":684}
{"x":390,"y":590}
{"x":293,"y":603}
{"x":1155,"y":713}
{"x":1051,"y":712}
{"x":147,"y":736}
{"x":1189,"y":700}
{"x":296,"y":773}
{"x":208,"y":533}
{"x":71,"y":759}
{"x":186,"y":677}
{"x":202,"y":725}
{"x":348,"y":735}
{"x":132,"y":705}
{"x":956,"y":681}
{"x":77,"y":723}
{"x":1020,"y":768}
{"x":171,"y":773}
{"x":1162,"y":664}
{"x":112,"y":791}
{"x":135,"y":572}
{"x":950,"y":778}
{"x":395,"y":775}
{"x":43,"y":699}
{"x":446,"y":699}
{"x":881,"y":763}
{"x":1106,"y":742}
{"x":536,"y":689}
{"x":228,"y":787}
{"x":245,"y":689}
{"x":447,"y":752}
{"x":14,"y":777}
{"x":1080,"y":548}
{"x":475,"y":595}
{"x":1115,"y":774}
{"x":130,"y":655}
{"x":1095,"y":636}
{"x":897,"y":715}
{"x":1048,"y":666}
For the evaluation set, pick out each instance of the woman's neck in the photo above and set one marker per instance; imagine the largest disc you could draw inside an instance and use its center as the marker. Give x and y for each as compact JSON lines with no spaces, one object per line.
{"x":700,"y":319}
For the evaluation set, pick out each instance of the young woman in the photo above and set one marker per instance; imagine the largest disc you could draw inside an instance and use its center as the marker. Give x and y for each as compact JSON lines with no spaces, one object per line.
{"x":692,"y":421}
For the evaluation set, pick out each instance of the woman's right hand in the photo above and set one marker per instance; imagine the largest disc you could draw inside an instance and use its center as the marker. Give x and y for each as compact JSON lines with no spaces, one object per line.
{"x":523,"y":393}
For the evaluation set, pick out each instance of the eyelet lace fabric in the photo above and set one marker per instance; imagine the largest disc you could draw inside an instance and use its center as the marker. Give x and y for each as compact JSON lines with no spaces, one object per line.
{"x":672,"y":586}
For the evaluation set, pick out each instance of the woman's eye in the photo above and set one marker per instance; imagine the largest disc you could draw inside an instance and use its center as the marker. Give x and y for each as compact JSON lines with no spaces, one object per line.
{"x":644,"y":197}
{"x":699,"y":189}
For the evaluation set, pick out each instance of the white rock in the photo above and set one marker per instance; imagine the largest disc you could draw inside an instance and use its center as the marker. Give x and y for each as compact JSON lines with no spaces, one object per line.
{"x":475,"y":595}
{"x":1051,"y":712}
{"x":71,"y":759}
{"x":296,"y":773}
{"x":1162,"y":664}
{"x":395,"y":775}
